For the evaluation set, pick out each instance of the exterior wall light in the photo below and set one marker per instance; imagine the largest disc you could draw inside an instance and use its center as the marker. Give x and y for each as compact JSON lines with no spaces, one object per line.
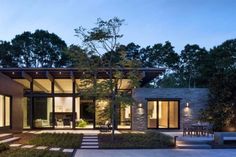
{"x":140,"y":105}
{"x":187,"y":105}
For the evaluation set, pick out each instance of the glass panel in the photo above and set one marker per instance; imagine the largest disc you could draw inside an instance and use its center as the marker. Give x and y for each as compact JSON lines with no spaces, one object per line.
{"x":163,"y":114}
{"x":42,"y":112}
{"x":85,"y":113}
{"x":124,"y":117}
{"x":63,"y":112}
{"x":152,"y":114}
{"x":7,"y":111}
{"x":103,"y":112}
{"x":1,"y":110}
{"x":174,"y":117}
{"x":42,"y":85}
{"x":26,"y":113}
{"x":63,"y":86}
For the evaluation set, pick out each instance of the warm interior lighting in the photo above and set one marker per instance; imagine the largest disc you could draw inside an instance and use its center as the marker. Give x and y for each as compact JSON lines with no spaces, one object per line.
{"x":159,"y":110}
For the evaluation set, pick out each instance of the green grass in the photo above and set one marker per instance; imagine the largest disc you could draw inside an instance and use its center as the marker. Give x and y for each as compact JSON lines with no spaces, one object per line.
{"x":32,"y":153}
{"x":136,"y":140}
{"x":4,"y":147}
{"x":57,"y":140}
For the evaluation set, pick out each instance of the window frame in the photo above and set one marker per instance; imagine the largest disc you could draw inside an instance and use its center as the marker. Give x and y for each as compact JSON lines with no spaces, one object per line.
{"x":4,"y":111}
{"x":157,"y":111}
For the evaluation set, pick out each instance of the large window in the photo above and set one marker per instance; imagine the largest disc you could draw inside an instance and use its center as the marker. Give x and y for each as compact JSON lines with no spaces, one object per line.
{"x":42,"y":112}
{"x":4,"y":110}
{"x":163,"y":114}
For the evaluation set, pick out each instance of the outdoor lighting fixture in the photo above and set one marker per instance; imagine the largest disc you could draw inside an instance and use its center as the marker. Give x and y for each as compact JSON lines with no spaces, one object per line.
{"x":13,"y":73}
{"x":187,"y":104}
{"x":36,"y":73}
{"x":140,"y":105}
{"x":60,"y":72}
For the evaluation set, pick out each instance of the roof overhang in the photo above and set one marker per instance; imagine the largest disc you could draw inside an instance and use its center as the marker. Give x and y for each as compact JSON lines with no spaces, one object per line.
{"x":148,"y":74}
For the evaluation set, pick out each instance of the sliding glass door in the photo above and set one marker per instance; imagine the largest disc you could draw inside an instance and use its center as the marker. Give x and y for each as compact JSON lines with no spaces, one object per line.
{"x":163,"y":114}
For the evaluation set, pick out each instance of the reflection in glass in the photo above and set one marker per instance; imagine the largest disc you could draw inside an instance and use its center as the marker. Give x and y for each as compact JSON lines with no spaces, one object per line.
{"x":42,"y":112}
{"x":124,"y":117}
{"x":152,"y":114}
{"x":26,"y":113}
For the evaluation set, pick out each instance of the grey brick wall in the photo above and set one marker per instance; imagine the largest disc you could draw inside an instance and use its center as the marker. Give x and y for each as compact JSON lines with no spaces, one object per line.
{"x":197,"y":98}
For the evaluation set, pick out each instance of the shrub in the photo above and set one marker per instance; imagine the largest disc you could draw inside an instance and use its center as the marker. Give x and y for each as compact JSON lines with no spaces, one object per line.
{"x":3,"y":147}
{"x":81,"y":123}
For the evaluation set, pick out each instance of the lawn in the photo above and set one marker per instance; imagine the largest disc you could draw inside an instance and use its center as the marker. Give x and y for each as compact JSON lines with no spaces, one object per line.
{"x":32,"y":153}
{"x":57,"y":140}
{"x":148,"y":139}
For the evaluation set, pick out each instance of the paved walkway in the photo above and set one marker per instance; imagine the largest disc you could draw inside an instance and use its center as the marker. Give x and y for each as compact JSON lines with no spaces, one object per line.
{"x":156,"y":153}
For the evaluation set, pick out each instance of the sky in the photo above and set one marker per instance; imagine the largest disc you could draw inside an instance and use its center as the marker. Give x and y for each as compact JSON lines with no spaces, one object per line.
{"x":204,"y":22}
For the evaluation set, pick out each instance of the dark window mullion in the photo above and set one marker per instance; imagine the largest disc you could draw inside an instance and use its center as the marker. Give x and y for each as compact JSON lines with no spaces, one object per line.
{"x":168,"y":116}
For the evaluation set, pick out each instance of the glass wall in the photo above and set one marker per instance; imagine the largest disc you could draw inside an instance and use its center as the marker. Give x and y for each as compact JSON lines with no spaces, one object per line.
{"x":163,"y":114}
{"x":26,"y":112}
{"x":124,"y":120}
{"x":84,"y":109}
{"x":42,"y":112}
{"x":1,"y":111}
{"x":7,"y":111}
{"x":5,"y":105}
{"x":152,"y":114}
{"x":103,"y":112}
{"x":63,"y":112}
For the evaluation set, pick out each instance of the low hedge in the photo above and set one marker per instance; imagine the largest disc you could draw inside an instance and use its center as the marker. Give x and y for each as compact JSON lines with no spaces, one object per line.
{"x":3,"y":147}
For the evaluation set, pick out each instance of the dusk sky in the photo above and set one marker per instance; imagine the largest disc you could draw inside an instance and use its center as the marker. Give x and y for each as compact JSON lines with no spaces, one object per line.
{"x":204,"y":22}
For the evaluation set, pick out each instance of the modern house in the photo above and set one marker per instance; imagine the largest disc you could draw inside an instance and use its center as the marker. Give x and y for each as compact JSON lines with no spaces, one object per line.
{"x":51,"y":98}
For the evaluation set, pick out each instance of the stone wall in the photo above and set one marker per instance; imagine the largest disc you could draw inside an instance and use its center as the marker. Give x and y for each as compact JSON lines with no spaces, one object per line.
{"x":197,"y":98}
{"x":15,"y":90}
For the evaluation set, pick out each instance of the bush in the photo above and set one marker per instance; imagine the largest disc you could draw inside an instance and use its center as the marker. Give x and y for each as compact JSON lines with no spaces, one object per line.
{"x":3,"y":147}
{"x":81,"y":123}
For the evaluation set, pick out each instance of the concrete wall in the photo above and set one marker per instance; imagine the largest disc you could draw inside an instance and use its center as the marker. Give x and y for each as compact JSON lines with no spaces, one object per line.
{"x":15,"y":90}
{"x":197,"y":98}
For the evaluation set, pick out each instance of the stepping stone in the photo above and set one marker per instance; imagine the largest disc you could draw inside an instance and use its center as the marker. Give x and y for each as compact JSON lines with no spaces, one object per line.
{"x":89,"y":147}
{"x":90,"y":137}
{"x":55,"y":149}
{"x":68,"y":150}
{"x":41,"y":147}
{"x":9,"y":140}
{"x":15,"y":145}
{"x":90,"y":140}
{"x":28,"y":146}
{"x":5,"y":136}
{"x":89,"y":143}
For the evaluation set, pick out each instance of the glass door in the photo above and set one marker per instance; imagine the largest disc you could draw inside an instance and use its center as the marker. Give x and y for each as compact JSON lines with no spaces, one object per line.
{"x":63,"y":112}
{"x":163,"y":114}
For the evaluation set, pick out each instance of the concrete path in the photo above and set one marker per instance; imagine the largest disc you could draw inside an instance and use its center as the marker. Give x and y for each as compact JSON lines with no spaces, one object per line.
{"x":156,"y":153}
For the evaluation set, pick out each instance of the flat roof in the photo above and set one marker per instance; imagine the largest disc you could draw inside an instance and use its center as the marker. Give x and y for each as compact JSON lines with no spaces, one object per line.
{"x":75,"y":73}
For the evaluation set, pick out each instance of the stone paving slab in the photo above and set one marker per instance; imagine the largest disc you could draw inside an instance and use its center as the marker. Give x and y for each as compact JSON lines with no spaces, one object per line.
{"x":28,"y":146}
{"x":156,"y":153}
{"x":68,"y":150}
{"x":89,"y":143}
{"x":90,"y":140}
{"x":89,"y":147}
{"x":41,"y":147}
{"x":55,"y":149}
{"x":15,"y":145}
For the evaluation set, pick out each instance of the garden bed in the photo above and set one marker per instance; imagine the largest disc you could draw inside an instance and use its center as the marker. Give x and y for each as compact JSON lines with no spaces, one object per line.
{"x":132,"y":140}
{"x":62,"y":140}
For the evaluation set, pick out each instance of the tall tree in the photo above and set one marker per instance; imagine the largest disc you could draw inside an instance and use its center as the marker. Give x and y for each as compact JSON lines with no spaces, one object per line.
{"x":193,"y":61}
{"x":39,"y":49}
{"x":104,"y":37}
{"x":8,"y":58}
